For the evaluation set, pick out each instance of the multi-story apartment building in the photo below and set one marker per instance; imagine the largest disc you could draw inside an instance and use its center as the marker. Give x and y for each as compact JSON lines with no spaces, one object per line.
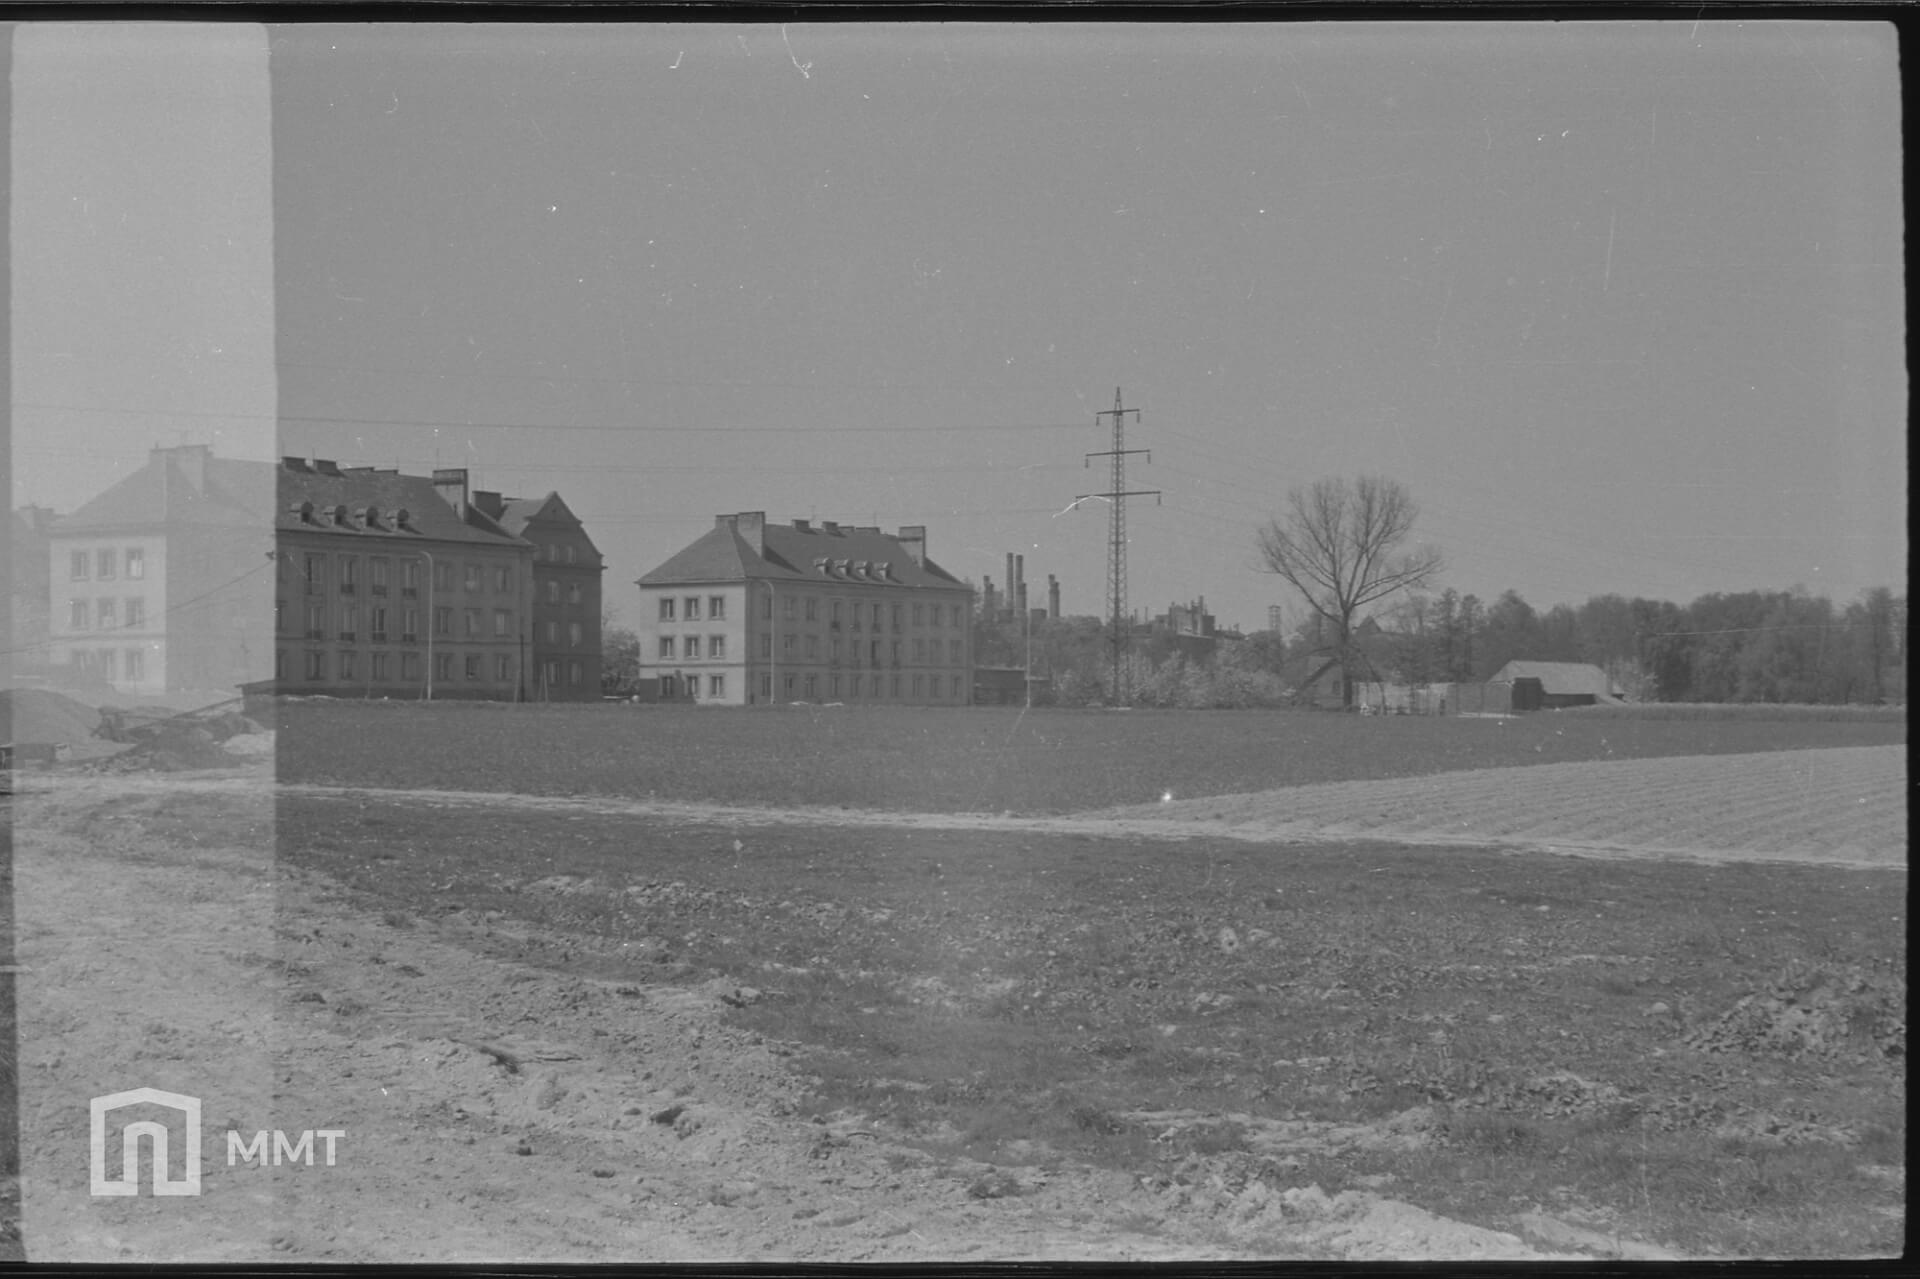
{"x":566,"y":593}
{"x":162,"y":583}
{"x":754,"y":613}
{"x":394,"y":585}
{"x":385,"y":587}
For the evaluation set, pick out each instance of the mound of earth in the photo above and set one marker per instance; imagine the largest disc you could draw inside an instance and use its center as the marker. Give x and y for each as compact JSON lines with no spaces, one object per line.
{"x":41,"y":715}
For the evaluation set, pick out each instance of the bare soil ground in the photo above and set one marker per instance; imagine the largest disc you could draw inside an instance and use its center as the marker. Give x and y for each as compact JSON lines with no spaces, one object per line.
{"x":499,"y":1106}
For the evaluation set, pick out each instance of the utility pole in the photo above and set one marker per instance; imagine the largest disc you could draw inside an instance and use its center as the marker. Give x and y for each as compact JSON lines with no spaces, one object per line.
{"x":1117,"y":621}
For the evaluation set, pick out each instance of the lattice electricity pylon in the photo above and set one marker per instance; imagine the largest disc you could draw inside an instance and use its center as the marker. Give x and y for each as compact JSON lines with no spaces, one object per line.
{"x":1120,"y":628}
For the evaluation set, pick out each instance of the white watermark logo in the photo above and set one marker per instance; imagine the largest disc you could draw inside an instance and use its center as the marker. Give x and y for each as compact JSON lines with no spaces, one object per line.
{"x":275,"y":1147}
{"x":128,"y":1183}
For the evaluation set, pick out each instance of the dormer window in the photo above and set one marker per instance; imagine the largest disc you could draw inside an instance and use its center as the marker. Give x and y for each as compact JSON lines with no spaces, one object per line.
{"x":341,"y":518}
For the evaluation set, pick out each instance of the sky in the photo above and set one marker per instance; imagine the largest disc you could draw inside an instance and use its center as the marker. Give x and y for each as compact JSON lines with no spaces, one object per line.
{"x":1620,"y":304}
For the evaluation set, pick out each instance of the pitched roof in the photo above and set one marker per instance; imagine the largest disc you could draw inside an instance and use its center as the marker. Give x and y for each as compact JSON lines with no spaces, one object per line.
{"x":1560,"y":677}
{"x":854,"y":556}
{"x":225,"y":491}
{"x":430,"y":518}
{"x":518,"y":512}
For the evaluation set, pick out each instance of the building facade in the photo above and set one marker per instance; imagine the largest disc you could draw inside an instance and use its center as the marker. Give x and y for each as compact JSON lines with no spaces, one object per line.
{"x":566,"y":593}
{"x":753,"y":613}
{"x":29,"y":581}
{"x":161,"y":583}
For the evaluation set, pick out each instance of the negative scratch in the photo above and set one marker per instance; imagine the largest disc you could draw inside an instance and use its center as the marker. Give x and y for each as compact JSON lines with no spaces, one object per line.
{"x":803,"y":70}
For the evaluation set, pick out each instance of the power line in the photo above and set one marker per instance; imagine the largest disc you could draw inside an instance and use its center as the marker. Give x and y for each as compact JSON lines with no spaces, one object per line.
{"x":601,"y":427}
{"x":1119,"y":625}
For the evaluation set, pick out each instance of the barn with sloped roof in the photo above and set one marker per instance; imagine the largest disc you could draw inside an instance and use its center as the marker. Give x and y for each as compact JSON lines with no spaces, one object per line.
{"x":1547,"y":686}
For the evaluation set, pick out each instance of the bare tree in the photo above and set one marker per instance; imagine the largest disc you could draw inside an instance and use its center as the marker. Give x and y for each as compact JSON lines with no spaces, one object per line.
{"x":1339,"y":544}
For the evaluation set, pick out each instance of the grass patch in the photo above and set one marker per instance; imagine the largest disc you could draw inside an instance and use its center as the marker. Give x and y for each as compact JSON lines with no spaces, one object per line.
{"x":1016,"y":997}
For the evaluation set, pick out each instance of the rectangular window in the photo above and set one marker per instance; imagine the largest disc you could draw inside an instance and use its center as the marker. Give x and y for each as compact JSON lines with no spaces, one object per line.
{"x":569,"y":555}
{"x":857,"y":611}
{"x":315,"y":574}
{"x":919,"y":648}
{"x":691,"y":608}
{"x":553,"y":632}
{"x":502,"y":578}
{"x":346,"y":664}
{"x":136,"y":664}
{"x":835,"y":681}
{"x":666,"y":648}
{"x":573,"y":634}
{"x":136,"y":564}
{"x":693,"y":646}
{"x":502,"y":668}
{"x":716,"y":608}
{"x":279,"y":663}
{"x":873,"y":652}
{"x":472,"y":577}
{"x":813,"y":646}
{"x":316,"y":621}
{"x":896,"y":617}
{"x":103,"y":610}
{"x":471,"y":619}
{"x":833,"y":648}
{"x":787,"y":686}
{"x":896,"y":685}
{"x":410,"y":626}
{"x":105,"y":565}
{"x":813,"y":687}
{"x":766,"y":687}
{"x":349,"y":615}
{"x":786,"y":610}
{"x":813,"y":609}
{"x":786,"y":643}
{"x":314,"y":668}
{"x":766,"y":607}
{"x":409,"y":666}
{"x":666,"y":609}
{"x":377,"y":624}
{"x":443,"y":666}
{"x":379,"y":668}
{"x":896,"y":652}
{"x":853,"y":688}
{"x":473,"y":666}
{"x":443,"y":575}
{"x":956,"y":681}
{"x":377,"y":576}
{"x":573,"y":592}
{"x":349,"y":575}
{"x":78,"y":566}
{"x":716,"y":646}
{"x":879,"y":617}
{"x":953,"y":651}
{"x":442,"y":620}
{"x":553,"y":591}
{"x":834,"y":619}
{"x":919,"y":685}
{"x":502,"y":623}
{"x":919,"y":614}
{"x":410,"y":579}
{"x":766,"y":645}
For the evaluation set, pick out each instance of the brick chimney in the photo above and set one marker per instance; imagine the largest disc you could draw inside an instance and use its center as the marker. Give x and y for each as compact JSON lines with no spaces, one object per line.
{"x":1053,"y":596}
{"x":751,"y":527}
{"x":489,"y":504}
{"x":913,"y":539}
{"x":451,"y":484}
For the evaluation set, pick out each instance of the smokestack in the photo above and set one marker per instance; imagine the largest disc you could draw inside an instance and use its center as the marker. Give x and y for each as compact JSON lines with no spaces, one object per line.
{"x":1020,"y":583}
{"x":1053,"y":596}
{"x":1013,"y":582}
{"x":986,"y":598}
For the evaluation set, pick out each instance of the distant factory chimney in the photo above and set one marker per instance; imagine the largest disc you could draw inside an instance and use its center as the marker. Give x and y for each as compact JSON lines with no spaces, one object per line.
{"x":1053,"y":596}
